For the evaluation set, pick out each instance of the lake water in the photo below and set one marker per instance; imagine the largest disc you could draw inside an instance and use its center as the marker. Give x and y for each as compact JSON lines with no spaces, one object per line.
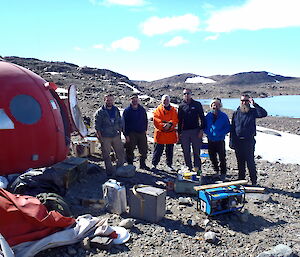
{"x":285,"y":105}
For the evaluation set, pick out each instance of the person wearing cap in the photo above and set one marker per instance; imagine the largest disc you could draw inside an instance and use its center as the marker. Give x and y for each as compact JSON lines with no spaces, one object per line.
{"x":108,"y":126}
{"x":165,"y":120}
{"x":135,"y":131}
{"x":190,"y":128}
{"x":217,"y":126}
{"x":243,"y":131}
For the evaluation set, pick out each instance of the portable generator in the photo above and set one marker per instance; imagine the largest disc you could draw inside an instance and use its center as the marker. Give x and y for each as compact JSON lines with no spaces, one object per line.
{"x":219,"y":200}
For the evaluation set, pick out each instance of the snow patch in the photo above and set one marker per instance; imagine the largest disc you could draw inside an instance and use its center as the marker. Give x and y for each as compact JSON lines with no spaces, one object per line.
{"x":278,"y":146}
{"x":271,"y":74}
{"x":135,"y":90}
{"x":199,"y":79}
{"x":53,"y":72}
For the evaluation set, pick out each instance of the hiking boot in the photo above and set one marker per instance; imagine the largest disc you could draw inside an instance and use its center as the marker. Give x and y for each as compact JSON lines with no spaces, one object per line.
{"x":143,"y":165}
{"x":170,"y":169}
{"x":223,"y":177}
{"x":154,"y":169}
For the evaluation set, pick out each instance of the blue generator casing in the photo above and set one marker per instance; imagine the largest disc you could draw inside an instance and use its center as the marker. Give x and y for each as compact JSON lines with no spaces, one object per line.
{"x":219,"y":200}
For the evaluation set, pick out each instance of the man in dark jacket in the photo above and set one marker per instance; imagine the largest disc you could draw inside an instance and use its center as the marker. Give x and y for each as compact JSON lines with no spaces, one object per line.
{"x":135,"y":131}
{"x":190,"y":128}
{"x":108,"y":125}
{"x":243,"y":131}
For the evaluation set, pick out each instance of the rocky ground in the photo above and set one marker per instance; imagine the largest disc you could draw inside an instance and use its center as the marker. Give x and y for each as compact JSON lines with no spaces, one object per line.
{"x":265,"y":221}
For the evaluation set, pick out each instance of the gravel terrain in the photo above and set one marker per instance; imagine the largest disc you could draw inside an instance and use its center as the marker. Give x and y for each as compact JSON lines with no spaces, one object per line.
{"x":267,"y":220}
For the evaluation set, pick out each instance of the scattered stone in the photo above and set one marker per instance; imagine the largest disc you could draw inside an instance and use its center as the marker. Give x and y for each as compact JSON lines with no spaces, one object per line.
{"x":206,"y":222}
{"x":231,"y":232}
{"x":127,"y":223}
{"x":86,"y":243}
{"x":184,"y":201}
{"x":244,"y":217}
{"x":210,"y":237}
{"x":191,"y":223}
{"x":126,"y":171}
{"x":280,"y":250}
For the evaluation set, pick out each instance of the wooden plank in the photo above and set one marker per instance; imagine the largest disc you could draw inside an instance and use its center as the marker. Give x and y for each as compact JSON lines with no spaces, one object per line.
{"x":249,"y":189}
{"x":225,"y":184}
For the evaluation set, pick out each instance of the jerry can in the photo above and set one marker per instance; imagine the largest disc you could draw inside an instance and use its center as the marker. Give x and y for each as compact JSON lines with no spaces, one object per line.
{"x":114,"y":196}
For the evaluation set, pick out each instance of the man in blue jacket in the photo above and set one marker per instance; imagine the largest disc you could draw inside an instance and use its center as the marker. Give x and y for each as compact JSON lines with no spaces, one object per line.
{"x":135,"y":131}
{"x":243,"y":131}
{"x":217,"y":126}
{"x":108,"y":126}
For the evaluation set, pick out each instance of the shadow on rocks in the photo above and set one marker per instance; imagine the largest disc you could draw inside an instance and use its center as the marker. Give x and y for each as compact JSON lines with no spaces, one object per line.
{"x":245,"y":222}
{"x":282,"y":192}
{"x":178,"y":225}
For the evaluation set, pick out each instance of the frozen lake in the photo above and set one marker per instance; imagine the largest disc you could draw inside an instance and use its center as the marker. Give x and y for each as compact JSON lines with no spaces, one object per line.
{"x":286,"y":105}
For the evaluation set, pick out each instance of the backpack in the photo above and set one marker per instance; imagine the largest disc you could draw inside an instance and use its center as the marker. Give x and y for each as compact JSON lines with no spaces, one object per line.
{"x":54,"y":202}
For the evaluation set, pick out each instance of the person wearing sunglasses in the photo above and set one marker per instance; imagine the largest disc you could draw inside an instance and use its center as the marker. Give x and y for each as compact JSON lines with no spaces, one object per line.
{"x":242,"y":135}
{"x":190,"y":129}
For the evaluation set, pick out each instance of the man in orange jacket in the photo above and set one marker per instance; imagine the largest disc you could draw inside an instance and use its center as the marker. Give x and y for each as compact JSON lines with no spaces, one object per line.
{"x":165,"y":120}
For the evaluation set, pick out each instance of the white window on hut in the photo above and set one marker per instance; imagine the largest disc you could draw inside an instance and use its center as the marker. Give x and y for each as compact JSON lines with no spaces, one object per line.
{"x":5,"y":121}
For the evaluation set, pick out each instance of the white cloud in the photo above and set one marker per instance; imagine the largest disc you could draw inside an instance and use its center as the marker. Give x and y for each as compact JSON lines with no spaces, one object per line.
{"x":77,"y":48}
{"x":98,"y":46}
{"x":255,"y":15}
{"x":156,"y":25}
{"x":213,"y":37}
{"x":176,"y":41}
{"x":127,"y":43}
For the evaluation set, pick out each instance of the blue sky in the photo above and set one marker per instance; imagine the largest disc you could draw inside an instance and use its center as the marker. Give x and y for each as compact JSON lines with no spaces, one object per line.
{"x":153,"y":39}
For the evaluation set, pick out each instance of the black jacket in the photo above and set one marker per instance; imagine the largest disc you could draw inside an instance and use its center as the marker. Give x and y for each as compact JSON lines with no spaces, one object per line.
{"x":135,"y":120}
{"x":191,"y":116}
{"x":243,"y":124}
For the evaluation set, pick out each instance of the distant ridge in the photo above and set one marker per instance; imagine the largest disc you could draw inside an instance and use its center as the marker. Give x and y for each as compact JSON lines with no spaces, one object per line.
{"x":180,"y":78}
{"x":38,"y":66}
{"x":253,"y":77}
{"x":242,"y":78}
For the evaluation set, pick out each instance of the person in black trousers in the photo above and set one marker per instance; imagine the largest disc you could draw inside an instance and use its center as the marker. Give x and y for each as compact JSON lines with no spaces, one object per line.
{"x":217,"y":126}
{"x":243,"y":131}
{"x":135,"y":131}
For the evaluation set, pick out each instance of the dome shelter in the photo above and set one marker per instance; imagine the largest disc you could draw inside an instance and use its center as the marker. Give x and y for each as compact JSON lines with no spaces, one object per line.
{"x":34,"y":125}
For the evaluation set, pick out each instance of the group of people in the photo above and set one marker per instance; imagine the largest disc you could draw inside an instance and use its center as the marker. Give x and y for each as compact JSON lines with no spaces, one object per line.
{"x":187,"y":126}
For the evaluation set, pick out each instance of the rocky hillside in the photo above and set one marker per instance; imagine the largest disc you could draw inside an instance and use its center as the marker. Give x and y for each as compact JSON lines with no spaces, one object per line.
{"x":93,"y":83}
{"x":257,"y":84}
{"x":248,"y":78}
